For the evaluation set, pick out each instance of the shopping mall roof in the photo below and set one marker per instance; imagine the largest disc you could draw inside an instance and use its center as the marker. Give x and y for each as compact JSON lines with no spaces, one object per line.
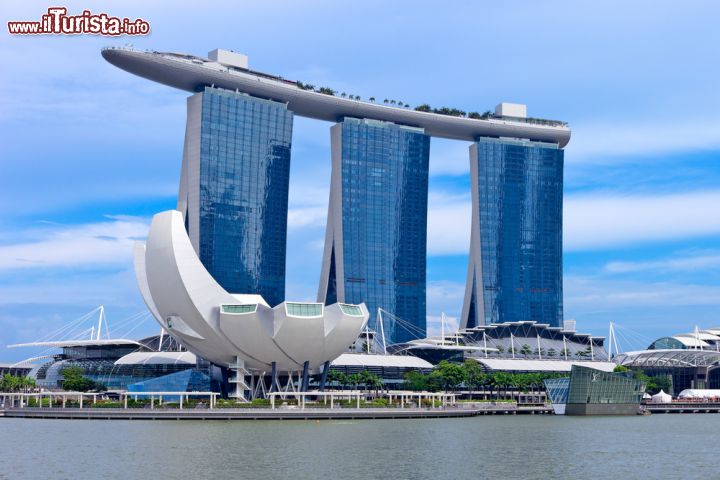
{"x":79,"y":343}
{"x":158,"y":358}
{"x":522,"y":365}
{"x":369,"y":360}
{"x":670,"y":358}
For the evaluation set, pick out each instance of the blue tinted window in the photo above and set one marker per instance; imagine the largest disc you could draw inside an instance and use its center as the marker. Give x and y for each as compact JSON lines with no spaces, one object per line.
{"x":244,"y":178}
{"x":520,"y":185}
{"x":384,"y":222}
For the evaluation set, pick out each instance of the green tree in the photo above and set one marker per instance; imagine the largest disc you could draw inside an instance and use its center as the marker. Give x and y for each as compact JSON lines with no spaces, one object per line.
{"x":415,"y":380}
{"x":12,"y":383}
{"x":474,"y":375}
{"x":336,"y":376}
{"x":354,"y":379}
{"x":371,"y":380}
{"x":435,"y":381}
{"x":73,"y":380}
{"x":451,"y":375}
{"x":620,"y":369}
{"x":526,"y":350}
{"x":423,"y":108}
{"x":551,"y":352}
{"x":372,"y":99}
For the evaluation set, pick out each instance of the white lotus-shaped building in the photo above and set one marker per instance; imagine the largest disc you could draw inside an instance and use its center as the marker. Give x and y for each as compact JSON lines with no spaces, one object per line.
{"x":235,"y":329}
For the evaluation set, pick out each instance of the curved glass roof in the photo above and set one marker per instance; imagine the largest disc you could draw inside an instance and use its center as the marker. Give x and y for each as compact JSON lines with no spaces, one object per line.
{"x":670,"y":358}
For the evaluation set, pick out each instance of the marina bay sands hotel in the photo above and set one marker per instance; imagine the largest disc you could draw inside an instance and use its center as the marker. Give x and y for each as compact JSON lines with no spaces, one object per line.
{"x":235,"y":177}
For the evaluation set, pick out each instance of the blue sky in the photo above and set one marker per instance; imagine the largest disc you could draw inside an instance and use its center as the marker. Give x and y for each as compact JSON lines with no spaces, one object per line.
{"x":90,"y":152}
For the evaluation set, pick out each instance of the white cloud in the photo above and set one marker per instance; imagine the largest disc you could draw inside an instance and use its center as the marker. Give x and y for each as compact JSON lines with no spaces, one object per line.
{"x":103,"y":243}
{"x":604,"y":220}
{"x":591,"y":221}
{"x":449,"y":157}
{"x":302,"y":217}
{"x":434,"y":327}
{"x":607,"y":142}
{"x":449,"y":218}
{"x":584,"y":294}
{"x":686,"y":263}
{"x":445,"y":296}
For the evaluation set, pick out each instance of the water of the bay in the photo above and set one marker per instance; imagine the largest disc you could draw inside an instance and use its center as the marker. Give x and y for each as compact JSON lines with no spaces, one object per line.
{"x":508,"y":447}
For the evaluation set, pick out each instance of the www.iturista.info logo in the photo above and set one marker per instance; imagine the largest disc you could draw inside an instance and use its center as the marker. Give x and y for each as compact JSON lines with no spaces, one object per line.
{"x":57,"y":22}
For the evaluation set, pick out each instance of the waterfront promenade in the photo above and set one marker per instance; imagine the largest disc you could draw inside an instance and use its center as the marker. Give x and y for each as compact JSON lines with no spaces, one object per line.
{"x":283,"y":413}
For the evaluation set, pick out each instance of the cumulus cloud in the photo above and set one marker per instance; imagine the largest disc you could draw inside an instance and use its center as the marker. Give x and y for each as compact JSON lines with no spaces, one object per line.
{"x":103,"y":243}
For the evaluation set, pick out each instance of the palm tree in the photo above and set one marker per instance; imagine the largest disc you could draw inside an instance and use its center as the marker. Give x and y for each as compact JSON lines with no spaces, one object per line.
{"x":385,"y":101}
{"x":372,"y":99}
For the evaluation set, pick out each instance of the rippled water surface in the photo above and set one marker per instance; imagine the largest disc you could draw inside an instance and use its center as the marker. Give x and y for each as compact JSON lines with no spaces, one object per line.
{"x":508,"y":447}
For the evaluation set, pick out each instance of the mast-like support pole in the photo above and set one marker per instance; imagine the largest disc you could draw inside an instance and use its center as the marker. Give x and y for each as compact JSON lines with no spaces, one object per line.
{"x":382,"y":330}
{"x":100,"y":322}
{"x":564,"y":347}
{"x":367,"y":337}
{"x":442,"y":327}
{"x":485,"y":343}
{"x":538,"y":344}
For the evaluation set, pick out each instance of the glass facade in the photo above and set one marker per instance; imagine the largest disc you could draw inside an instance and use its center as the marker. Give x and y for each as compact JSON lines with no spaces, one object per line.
{"x":190,"y":380}
{"x":243,"y":199}
{"x":353,"y":310}
{"x":667,"y":343}
{"x":557,"y":389}
{"x":590,"y":386}
{"x":240,"y":309}
{"x":304,"y":309}
{"x":383,"y":223}
{"x":519,"y":204}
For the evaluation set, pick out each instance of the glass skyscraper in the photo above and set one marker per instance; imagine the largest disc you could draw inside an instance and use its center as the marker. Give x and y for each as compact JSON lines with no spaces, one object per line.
{"x":376,"y":238}
{"x":515,"y":268}
{"x":234,"y":189}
